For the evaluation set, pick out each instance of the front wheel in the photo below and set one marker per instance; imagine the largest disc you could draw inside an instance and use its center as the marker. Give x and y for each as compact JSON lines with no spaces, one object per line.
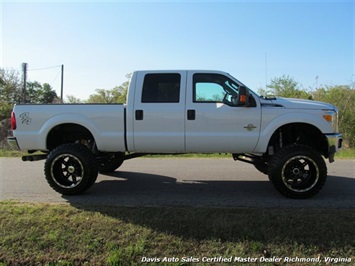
{"x":71,"y":169}
{"x":297,"y":171}
{"x":111,"y":162}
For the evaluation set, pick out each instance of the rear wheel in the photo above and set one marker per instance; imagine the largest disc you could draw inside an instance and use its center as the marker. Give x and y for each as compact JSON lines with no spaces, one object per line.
{"x":71,"y":169}
{"x":297,"y":171}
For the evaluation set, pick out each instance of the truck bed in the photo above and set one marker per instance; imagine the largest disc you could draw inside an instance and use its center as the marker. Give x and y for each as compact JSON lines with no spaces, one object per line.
{"x":106,"y":123}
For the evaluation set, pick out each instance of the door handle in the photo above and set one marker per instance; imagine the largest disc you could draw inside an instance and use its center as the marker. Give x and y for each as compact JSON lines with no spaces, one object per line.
{"x":139,"y":114}
{"x":191,"y":114}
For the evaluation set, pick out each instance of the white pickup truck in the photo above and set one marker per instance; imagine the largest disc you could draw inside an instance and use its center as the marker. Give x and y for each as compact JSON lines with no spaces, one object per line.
{"x":182,"y":111}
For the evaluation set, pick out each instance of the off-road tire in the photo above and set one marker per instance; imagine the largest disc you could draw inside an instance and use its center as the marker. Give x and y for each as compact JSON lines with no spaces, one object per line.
{"x":71,"y":169}
{"x":297,"y":171}
{"x":111,"y":162}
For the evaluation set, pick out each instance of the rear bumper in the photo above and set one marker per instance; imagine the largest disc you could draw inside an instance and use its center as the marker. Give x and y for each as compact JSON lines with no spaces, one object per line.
{"x":335,"y":142}
{"x":13,"y":143}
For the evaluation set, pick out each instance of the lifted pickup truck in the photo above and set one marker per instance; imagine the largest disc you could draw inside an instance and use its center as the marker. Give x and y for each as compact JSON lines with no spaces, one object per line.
{"x":182,"y":111}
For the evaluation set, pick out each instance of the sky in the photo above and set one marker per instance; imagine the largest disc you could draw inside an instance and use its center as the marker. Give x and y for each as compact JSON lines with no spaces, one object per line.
{"x":255,"y":41}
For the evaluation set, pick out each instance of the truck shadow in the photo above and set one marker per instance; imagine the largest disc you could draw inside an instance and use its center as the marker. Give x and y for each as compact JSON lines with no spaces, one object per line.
{"x":223,"y":210}
{"x":143,"y":189}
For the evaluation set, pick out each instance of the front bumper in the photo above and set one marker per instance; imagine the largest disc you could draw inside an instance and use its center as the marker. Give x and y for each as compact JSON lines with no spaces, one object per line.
{"x":335,"y":142}
{"x":13,"y":143}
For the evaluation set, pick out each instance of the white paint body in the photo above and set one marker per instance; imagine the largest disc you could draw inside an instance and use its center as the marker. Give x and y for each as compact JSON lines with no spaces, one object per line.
{"x":217,"y":127}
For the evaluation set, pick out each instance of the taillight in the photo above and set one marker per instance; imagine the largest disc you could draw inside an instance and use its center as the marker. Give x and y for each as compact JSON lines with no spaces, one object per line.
{"x":13,"y":121}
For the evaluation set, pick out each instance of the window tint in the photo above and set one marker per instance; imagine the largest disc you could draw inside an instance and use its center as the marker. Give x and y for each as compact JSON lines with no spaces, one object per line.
{"x":161,"y":88}
{"x":214,"y":88}
{"x":209,"y":92}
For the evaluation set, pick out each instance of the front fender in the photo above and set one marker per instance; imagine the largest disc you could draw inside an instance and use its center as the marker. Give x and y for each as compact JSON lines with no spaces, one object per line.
{"x":272,"y":122}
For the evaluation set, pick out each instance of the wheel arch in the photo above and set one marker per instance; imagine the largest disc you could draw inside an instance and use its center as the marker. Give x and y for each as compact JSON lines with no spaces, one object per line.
{"x":108,"y":135}
{"x":299,"y":133}
{"x":67,"y":133}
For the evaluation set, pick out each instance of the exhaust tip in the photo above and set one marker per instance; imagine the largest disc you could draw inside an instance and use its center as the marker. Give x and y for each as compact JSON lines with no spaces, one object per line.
{"x":26,"y":158}
{"x":31,"y":158}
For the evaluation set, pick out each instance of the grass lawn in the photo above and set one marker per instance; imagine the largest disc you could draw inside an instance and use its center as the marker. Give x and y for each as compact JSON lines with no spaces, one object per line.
{"x":346,"y":154}
{"x":47,"y":234}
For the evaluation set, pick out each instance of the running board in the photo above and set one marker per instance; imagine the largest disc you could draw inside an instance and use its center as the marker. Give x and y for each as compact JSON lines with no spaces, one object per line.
{"x":246,"y":158}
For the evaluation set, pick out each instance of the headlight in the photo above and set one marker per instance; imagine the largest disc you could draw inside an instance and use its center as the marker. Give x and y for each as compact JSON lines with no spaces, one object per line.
{"x":331,"y":116}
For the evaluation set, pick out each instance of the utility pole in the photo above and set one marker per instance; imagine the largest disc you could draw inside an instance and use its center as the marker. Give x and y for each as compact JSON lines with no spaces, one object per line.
{"x":61,"y":84}
{"x":24,"y":69}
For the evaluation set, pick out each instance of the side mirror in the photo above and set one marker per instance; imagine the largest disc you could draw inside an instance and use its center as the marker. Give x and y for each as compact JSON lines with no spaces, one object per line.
{"x":243,"y":96}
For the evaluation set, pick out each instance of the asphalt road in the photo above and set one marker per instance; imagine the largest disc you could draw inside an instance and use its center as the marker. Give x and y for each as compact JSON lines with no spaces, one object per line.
{"x":177,"y":182}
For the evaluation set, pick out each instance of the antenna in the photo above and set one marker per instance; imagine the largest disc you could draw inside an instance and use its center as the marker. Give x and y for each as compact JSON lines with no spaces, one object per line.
{"x":61,"y":84}
{"x":265,"y":71}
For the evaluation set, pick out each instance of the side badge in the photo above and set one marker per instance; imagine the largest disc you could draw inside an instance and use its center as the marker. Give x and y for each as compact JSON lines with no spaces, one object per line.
{"x":250,"y":127}
{"x":25,"y":118}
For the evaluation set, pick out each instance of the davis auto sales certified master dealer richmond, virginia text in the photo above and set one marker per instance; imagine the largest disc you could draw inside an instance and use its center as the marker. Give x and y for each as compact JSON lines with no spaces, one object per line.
{"x":232,"y":259}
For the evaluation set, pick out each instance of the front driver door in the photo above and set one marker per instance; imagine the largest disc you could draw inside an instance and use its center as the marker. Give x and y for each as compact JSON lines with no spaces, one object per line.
{"x":218,"y":124}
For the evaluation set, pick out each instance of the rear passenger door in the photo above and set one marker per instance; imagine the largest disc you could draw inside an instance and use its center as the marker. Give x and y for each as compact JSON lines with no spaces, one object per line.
{"x":159,"y":108}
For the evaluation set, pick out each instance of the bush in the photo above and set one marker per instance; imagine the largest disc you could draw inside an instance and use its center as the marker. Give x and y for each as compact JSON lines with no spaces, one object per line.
{"x":5,"y":128}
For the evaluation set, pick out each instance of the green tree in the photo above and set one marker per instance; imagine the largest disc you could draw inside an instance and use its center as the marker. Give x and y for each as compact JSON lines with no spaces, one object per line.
{"x":33,"y":89}
{"x":116,"y":95}
{"x":73,"y":99}
{"x":37,"y":93}
{"x":343,"y":97}
{"x":10,"y":93}
{"x":123,"y":90}
{"x":286,"y":86}
{"x":10,"y":86}
{"x":5,"y":110}
{"x":48,"y":95}
{"x":102,"y":96}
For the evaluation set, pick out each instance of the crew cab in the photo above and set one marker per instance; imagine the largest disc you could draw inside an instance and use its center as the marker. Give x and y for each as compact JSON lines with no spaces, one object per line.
{"x":182,"y":111}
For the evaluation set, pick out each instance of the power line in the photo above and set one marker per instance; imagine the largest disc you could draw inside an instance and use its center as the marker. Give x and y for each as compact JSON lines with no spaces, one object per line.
{"x":43,"y":68}
{"x":55,"y":77}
